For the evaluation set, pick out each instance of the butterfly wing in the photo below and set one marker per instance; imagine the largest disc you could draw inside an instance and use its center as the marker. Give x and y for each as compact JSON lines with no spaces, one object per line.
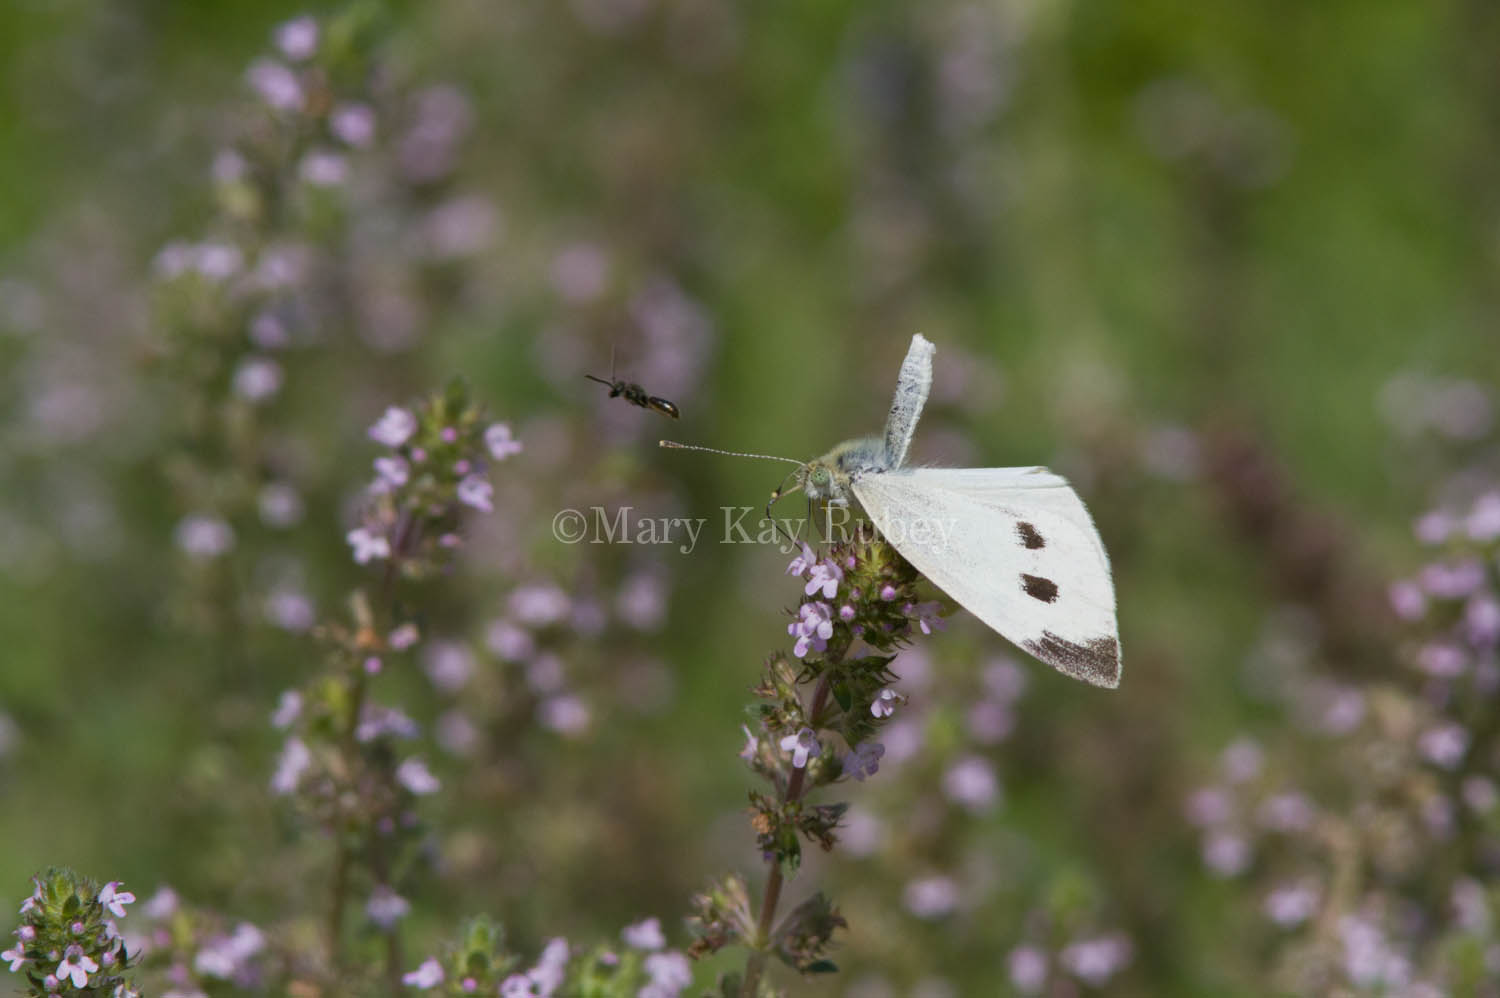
{"x":1013,"y":546}
{"x":912,"y":386}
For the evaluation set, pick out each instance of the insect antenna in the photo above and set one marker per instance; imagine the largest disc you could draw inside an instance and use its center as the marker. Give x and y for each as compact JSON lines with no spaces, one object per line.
{"x":769,"y":457}
{"x":600,"y":380}
{"x":727,"y":453}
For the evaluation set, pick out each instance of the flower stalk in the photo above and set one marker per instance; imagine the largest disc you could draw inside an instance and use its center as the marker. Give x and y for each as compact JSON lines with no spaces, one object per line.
{"x":859,"y":607}
{"x":342,"y":760}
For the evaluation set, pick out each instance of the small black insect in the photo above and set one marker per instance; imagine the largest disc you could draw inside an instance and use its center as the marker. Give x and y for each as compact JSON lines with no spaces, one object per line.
{"x":634,"y":393}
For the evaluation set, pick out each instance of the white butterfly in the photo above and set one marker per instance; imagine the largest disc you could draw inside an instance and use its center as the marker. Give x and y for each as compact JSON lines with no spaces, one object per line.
{"x":1013,"y":546}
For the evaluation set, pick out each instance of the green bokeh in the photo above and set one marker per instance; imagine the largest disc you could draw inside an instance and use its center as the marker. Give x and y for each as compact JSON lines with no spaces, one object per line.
{"x":1103,"y":282}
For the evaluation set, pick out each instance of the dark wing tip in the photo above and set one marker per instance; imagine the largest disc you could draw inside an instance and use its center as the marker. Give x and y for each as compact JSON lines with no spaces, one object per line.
{"x":1095,"y":661}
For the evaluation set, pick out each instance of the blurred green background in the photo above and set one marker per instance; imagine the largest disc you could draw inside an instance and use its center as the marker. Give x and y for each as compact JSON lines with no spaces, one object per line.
{"x":1136,"y":232}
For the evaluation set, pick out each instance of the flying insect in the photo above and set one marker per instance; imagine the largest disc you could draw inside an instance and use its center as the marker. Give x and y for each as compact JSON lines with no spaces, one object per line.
{"x":634,"y":393}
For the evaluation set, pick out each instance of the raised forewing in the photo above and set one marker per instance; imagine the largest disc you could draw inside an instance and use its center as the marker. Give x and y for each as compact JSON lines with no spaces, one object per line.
{"x":1013,"y":546}
{"x":912,"y":386}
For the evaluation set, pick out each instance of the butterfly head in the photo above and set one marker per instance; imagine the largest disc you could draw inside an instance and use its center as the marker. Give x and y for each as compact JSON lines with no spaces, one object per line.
{"x":828,"y":479}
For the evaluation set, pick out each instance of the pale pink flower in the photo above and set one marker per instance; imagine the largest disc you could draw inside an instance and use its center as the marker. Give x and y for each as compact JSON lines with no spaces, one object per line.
{"x":76,"y":966}
{"x":646,"y":935}
{"x":864,"y":760}
{"x":298,"y":38}
{"x":368,"y":546}
{"x":114,"y":899}
{"x":428,"y":975}
{"x":1095,"y":961}
{"x":385,"y":907}
{"x":1028,"y":969}
{"x":477,"y":492}
{"x":501,"y":442}
{"x":824,"y":575}
{"x":803,"y":745}
{"x":885,"y":703}
{"x":414,"y":775}
{"x":276,"y":84}
{"x":353,"y":124}
{"x":394,"y":427}
{"x":802,"y":562}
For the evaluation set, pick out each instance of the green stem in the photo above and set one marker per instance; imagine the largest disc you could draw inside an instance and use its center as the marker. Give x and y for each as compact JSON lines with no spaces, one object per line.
{"x":755,"y":965}
{"x":381,"y":613}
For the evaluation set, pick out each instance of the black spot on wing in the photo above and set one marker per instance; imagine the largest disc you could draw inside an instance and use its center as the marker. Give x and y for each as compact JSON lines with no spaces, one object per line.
{"x":1039,"y":588}
{"x":1029,"y":536}
{"x":1095,"y":661}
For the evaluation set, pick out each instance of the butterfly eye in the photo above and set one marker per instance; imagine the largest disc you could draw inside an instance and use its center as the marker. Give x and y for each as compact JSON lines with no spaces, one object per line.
{"x":820,"y":476}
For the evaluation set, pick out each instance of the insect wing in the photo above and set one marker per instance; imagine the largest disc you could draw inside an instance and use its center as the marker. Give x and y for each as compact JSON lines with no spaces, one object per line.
{"x":912,"y":386}
{"x":1031,"y":488}
{"x":1013,"y":546}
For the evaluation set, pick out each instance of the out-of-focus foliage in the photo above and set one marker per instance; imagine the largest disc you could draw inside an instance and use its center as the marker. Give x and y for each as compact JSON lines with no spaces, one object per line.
{"x":1232,"y":268}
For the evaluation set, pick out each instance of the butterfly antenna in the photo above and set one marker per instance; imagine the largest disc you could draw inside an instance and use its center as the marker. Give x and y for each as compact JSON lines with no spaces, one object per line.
{"x":727,"y":453}
{"x":600,"y":380}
